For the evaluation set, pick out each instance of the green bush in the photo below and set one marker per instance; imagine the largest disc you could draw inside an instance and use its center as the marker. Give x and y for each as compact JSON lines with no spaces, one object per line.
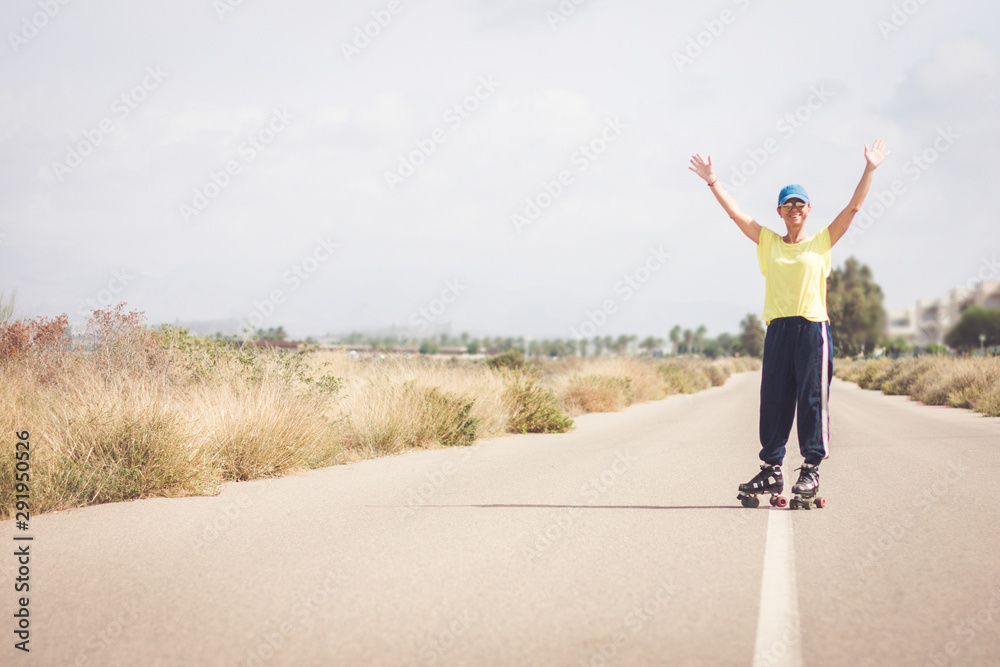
{"x":532,"y":408}
{"x":449,"y":417}
{"x":511,"y":360}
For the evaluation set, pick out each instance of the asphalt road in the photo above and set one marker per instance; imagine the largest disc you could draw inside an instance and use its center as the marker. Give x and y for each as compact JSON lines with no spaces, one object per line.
{"x":620,"y":543}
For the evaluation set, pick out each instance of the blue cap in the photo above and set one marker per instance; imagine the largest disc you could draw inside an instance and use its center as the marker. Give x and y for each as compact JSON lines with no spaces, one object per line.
{"x":792,"y":192}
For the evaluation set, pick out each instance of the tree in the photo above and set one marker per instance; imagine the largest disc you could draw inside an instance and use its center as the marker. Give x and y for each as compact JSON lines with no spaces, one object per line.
{"x":752,"y":338}
{"x":688,"y":341}
{"x":898,"y":347}
{"x":699,"y":338}
{"x":975,"y":321}
{"x":598,"y":346}
{"x":621,"y":345}
{"x":854,"y":303}
{"x":429,"y":347}
{"x":650,"y":344}
{"x":725,"y":343}
{"x":675,"y":338}
{"x":271,"y":334}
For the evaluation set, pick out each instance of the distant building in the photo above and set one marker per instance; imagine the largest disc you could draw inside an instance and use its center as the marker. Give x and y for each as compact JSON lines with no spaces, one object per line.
{"x":931,"y":319}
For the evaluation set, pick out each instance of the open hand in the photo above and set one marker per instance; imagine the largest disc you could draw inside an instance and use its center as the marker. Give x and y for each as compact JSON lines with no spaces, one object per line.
{"x":876,"y":153}
{"x":704,"y":169}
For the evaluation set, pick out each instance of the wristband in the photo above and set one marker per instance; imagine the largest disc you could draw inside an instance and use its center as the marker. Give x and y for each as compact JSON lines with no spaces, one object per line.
{"x":713,"y":182}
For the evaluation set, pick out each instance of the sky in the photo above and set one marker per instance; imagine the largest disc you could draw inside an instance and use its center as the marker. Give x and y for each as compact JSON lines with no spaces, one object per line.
{"x":502,"y":167}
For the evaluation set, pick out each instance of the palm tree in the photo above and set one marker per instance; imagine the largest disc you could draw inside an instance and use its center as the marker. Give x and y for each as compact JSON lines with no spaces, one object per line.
{"x":598,"y":346}
{"x":699,"y":338}
{"x":650,"y":344}
{"x":688,"y":341}
{"x":621,"y":345}
{"x":675,"y":338}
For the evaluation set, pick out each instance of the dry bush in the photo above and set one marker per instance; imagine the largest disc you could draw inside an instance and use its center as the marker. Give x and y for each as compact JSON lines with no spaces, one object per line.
{"x":910,"y":372}
{"x":875,"y":373}
{"x":684,"y":376}
{"x":90,"y":446}
{"x":597,"y":393}
{"x":123,"y":450}
{"x":250,"y":430}
{"x":972,"y":383}
{"x":989,"y":401}
{"x":136,"y":413}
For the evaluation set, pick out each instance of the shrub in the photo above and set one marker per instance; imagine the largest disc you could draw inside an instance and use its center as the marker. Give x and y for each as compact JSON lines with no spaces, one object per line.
{"x":910,"y":372}
{"x":684,"y":377}
{"x":532,"y":408}
{"x":39,"y":346}
{"x":598,"y":393}
{"x":123,"y":346}
{"x":121,"y":451}
{"x":874,"y":373}
{"x":446,"y":417}
{"x":262,"y":431}
{"x":717,"y":375}
{"x":511,"y":360}
{"x":972,"y":383}
{"x":989,"y":401}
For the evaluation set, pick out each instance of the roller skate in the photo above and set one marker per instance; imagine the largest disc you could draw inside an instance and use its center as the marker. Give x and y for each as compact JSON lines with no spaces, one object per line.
{"x":806,"y":488}
{"x":768,"y":480}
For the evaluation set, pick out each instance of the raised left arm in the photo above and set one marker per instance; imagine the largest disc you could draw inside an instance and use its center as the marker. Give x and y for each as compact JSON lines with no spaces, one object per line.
{"x":873,"y":158}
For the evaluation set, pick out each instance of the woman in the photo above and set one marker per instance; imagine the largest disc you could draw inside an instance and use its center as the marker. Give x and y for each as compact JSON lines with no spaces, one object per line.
{"x":798,"y":359}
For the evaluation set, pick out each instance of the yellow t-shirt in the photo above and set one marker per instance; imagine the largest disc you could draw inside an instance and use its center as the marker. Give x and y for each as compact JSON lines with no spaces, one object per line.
{"x":795,"y":275}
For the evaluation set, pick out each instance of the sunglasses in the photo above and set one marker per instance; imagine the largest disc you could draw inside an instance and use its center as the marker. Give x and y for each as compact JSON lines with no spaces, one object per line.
{"x":793,"y":206}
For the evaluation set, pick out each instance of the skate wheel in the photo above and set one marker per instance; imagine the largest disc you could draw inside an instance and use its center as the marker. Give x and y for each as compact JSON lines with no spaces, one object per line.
{"x":794,"y":504}
{"x":750,"y":501}
{"x":807,"y":504}
{"x":780,"y":501}
{"x":821,"y":503}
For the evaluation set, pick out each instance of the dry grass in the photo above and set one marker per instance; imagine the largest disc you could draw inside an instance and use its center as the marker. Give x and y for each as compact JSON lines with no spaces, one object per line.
{"x":165,"y":414}
{"x":969,"y":382}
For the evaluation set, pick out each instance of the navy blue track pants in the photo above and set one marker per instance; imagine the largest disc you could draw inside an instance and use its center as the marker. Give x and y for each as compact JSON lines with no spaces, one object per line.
{"x":798,"y":364}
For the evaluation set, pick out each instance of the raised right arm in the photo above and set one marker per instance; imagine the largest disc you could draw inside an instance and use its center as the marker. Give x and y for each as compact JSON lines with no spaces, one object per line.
{"x":747,"y":225}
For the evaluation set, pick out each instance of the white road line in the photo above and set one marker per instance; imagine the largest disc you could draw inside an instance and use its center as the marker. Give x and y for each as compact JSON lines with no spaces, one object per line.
{"x":779,"y":640}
